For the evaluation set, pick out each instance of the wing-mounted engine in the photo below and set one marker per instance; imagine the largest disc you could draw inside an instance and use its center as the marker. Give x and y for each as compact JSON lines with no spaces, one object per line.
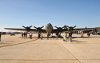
{"x":27,"y":28}
{"x":38,"y":29}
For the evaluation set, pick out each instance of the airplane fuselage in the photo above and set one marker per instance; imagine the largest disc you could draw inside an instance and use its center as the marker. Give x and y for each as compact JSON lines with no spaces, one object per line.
{"x":49,"y":29}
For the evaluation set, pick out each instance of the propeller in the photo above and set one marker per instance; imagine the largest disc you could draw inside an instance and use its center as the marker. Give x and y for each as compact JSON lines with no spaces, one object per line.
{"x":23,"y":26}
{"x":38,"y":27}
{"x":30,"y":26}
{"x":74,"y":26}
{"x":35,"y":27}
{"x":27,"y":26}
{"x":65,"y":26}
{"x":41,"y":27}
{"x":56,"y":26}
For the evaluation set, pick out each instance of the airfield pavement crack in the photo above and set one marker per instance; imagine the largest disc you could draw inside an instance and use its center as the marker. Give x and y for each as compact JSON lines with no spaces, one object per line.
{"x":70,"y":52}
{"x":18,"y":43}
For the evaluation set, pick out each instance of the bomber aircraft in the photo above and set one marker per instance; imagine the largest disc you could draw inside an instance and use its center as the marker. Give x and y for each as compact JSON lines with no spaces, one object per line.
{"x":50,"y":30}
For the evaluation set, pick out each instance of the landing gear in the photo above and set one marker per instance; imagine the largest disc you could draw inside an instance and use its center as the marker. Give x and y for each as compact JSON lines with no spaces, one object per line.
{"x":48,"y":36}
{"x":39,"y":36}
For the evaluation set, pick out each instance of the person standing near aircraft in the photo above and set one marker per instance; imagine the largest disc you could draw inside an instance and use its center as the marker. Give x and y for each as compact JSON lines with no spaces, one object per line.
{"x":25,"y":35}
{"x":70,"y":36}
{"x":22,"y":34}
{"x":0,"y":36}
{"x":88,"y":34}
{"x":82,"y":34}
{"x":70,"y":30}
{"x":30,"y":35}
{"x":41,"y":36}
{"x":65,"y":36}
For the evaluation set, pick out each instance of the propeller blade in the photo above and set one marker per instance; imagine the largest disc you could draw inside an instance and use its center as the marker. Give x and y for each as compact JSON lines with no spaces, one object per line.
{"x":56,"y":26}
{"x":42,"y":26}
{"x":35,"y":27}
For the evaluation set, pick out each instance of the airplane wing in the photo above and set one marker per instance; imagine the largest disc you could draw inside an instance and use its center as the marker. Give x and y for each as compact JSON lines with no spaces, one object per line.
{"x":22,"y":29}
{"x":84,"y":28}
{"x":56,"y":30}
{"x":17,"y":29}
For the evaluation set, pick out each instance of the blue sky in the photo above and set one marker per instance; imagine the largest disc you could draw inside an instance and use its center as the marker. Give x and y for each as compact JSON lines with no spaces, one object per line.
{"x":15,"y":13}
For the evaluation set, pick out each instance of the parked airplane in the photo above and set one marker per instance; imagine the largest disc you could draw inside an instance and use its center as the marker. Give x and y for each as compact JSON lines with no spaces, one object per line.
{"x":85,"y":30}
{"x":50,"y":30}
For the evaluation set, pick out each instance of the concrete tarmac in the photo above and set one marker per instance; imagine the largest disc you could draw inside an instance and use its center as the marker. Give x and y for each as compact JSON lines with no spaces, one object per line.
{"x":81,"y":50}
